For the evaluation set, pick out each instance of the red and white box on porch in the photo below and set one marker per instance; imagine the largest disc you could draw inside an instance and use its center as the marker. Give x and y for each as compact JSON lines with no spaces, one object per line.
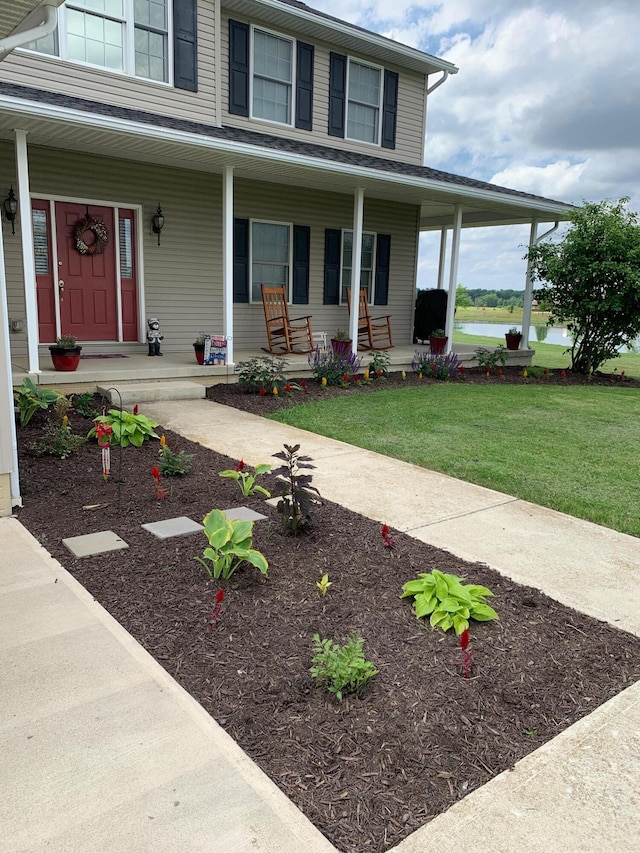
{"x":215,"y":349}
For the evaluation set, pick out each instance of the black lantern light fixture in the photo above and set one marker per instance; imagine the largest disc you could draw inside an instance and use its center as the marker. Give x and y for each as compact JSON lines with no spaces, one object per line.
{"x":157,"y":222}
{"x":10,"y":205}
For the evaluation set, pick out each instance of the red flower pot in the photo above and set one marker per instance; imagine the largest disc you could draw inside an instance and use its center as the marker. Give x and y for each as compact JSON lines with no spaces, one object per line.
{"x":65,"y":360}
{"x":437,"y":345}
{"x":340,"y":347}
{"x":513,"y":341}
{"x":199,"y":351}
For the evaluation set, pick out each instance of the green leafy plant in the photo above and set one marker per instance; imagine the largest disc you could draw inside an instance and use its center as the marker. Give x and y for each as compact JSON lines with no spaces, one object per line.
{"x":83,"y":405}
{"x":266,"y":372}
{"x":436,"y":365}
{"x":229,"y":546}
{"x":247,"y":481}
{"x":329,"y":367}
{"x":323,"y":584}
{"x":438,"y":333}
{"x":341,"y":335}
{"x":29,"y":397}
{"x":341,"y":669}
{"x":514,"y":330}
{"x":489,"y":359}
{"x":173,"y":462}
{"x":297,"y":495}
{"x":448,"y":602}
{"x":58,"y":440}
{"x":127,"y":428}
{"x":379,"y":364}
{"x":67,"y":342}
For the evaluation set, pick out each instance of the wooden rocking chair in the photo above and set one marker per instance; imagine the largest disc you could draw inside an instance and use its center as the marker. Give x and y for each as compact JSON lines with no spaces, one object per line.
{"x":283,"y":334}
{"x":373,"y":332}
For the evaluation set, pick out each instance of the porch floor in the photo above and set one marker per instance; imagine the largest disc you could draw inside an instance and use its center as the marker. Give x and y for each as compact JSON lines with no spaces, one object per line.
{"x":181,"y":365}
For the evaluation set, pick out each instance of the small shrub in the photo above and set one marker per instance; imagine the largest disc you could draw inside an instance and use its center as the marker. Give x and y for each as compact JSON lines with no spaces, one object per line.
{"x":535,"y":372}
{"x":83,"y":405}
{"x":297,"y":495}
{"x":229,"y":546}
{"x":329,"y":368}
{"x":172,"y":462}
{"x":436,"y":365}
{"x":58,"y":440}
{"x":379,"y":364}
{"x":126,"y":428}
{"x":341,"y":669}
{"x":247,"y":481}
{"x":29,"y":397}
{"x":488,"y":359}
{"x":449,"y":602}
{"x":261,"y":372}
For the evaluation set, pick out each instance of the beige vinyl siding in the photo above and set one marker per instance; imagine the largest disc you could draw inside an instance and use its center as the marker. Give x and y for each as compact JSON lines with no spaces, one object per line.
{"x":410,"y":124}
{"x":320,"y":211}
{"x":70,"y":78}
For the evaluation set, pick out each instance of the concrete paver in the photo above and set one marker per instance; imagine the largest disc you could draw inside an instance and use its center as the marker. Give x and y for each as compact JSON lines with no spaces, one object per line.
{"x":91,"y":544}
{"x":179,"y":526}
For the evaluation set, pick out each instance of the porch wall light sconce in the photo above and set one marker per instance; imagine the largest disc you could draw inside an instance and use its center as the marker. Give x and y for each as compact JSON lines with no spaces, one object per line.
{"x":157,"y":222}
{"x":10,"y":207}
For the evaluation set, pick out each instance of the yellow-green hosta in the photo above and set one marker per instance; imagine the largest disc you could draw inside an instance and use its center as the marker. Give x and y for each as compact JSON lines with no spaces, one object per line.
{"x":449,"y":602}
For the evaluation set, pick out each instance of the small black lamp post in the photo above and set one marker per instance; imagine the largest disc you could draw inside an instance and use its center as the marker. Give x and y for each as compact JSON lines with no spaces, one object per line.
{"x":158,"y":222}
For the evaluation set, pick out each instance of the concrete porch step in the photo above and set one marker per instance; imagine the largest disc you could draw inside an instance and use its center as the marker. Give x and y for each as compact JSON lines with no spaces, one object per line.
{"x":152,"y":392}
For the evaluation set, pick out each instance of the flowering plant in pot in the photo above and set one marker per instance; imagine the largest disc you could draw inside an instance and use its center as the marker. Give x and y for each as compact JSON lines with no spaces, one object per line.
{"x":65,"y":353}
{"x":438,"y":341}
{"x":341,"y":343}
{"x":198,"y":348}
{"x":513,"y":338}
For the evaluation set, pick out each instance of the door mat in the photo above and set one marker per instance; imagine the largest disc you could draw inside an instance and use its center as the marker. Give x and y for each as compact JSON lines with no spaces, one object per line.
{"x":106,"y":355}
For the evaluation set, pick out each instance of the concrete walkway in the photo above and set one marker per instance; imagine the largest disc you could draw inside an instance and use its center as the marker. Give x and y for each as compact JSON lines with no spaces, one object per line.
{"x":103,"y":751}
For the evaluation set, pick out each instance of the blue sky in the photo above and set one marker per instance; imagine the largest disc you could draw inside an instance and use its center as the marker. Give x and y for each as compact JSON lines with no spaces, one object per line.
{"x":547,"y":100}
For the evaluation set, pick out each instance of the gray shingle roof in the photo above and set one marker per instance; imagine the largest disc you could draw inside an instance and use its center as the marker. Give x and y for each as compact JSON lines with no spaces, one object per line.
{"x":261,"y":140}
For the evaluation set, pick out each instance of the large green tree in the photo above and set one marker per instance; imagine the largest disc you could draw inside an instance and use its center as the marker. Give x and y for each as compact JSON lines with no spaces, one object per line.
{"x":591,"y":281}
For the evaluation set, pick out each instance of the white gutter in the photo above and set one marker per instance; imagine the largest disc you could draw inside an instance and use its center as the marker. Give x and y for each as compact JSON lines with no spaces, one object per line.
{"x":44,"y":28}
{"x":233,"y":147}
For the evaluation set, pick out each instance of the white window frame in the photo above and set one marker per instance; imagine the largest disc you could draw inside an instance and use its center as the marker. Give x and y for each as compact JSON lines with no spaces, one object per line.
{"x":343,"y":301}
{"x":348,"y":102}
{"x":289,"y":283}
{"x":252,"y":75}
{"x":129,"y":53}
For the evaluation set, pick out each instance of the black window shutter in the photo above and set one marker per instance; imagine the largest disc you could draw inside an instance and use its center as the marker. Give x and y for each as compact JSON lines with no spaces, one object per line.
{"x":389,"y":109}
{"x":304,"y":86}
{"x":301,"y":246}
{"x":383,"y":257}
{"x":240,"y":260}
{"x":332,"y":252}
{"x":185,"y":45}
{"x":337,"y":93}
{"x":238,"y":68}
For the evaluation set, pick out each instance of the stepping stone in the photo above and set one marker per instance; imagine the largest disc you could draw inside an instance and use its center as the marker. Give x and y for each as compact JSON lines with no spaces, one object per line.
{"x":273,"y":502}
{"x":243,"y":513}
{"x":92,"y":544}
{"x":180,"y":526}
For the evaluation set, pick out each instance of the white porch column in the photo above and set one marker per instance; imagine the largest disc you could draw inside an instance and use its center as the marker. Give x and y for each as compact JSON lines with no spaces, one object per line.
{"x":442,"y":258}
{"x":453,"y":275}
{"x":9,"y":482}
{"x":28,"y":259}
{"x":528,"y":290}
{"x":227,"y":258}
{"x":356,"y":266}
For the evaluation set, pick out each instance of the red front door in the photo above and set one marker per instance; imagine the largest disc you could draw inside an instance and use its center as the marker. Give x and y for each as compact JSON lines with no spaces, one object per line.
{"x":86,"y":282}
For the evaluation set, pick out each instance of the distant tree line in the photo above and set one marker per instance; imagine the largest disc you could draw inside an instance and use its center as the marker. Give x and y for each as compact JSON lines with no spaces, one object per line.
{"x":466,"y":297}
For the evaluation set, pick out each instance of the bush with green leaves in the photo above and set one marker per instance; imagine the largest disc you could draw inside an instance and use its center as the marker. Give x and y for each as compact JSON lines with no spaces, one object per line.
{"x":341,"y":669}
{"x":173,"y":462}
{"x":30,"y":397}
{"x":58,"y":439}
{"x":491,"y":358}
{"x":379,"y":364}
{"x":127,"y":428}
{"x":83,"y":405}
{"x":591,"y":281}
{"x":331,"y":366}
{"x":229,"y":546}
{"x":297,"y":495}
{"x":448,"y":602}
{"x":261,"y":371}
{"x":436,"y":365}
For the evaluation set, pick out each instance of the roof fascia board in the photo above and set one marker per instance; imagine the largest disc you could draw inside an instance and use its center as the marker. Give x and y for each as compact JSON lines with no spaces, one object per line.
{"x":430,"y":64}
{"x":234,"y":147}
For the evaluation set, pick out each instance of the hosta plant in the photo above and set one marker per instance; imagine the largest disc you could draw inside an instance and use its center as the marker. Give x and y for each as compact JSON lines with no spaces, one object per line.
{"x":448,"y":602}
{"x":341,"y":669}
{"x":229,"y":546}
{"x":246,"y":480}
{"x":127,"y":428}
{"x":30,"y":397}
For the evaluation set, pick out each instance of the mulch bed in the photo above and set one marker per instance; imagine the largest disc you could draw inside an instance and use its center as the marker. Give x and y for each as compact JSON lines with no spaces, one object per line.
{"x":371,"y":769}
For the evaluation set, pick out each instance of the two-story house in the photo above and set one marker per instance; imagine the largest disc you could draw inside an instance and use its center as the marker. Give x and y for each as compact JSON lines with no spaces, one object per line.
{"x":167,"y":157}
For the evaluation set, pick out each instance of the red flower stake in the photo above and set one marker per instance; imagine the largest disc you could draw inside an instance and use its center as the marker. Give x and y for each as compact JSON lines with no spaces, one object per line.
{"x":161,"y":492}
{"x":216,"y":610}
{"x":467,"y":654}
{"x":387,"y":540}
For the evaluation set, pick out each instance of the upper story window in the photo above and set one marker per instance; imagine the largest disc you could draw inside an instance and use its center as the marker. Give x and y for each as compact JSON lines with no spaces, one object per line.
{"x":272,"y":77}
{"x":364,"y":93}
{"x":131,"y":36}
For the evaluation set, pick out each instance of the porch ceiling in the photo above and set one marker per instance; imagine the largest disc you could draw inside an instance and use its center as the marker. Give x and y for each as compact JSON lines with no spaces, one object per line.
{"x":50,"y":125}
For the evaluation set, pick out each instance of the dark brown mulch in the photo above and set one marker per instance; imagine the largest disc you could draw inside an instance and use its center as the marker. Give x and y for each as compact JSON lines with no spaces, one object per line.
{"x":231,"y":395}
{"x":370,"y":770}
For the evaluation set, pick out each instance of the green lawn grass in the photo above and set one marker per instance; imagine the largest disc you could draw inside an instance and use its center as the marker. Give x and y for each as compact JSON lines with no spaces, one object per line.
{"x":570,"y":448}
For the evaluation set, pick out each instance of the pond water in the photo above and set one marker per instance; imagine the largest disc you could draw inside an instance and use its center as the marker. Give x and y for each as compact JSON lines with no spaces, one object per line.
{"x":546,"y":334}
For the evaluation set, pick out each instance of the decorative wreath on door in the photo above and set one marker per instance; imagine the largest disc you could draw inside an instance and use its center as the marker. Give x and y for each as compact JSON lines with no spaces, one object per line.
{"x":99,"y":231}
